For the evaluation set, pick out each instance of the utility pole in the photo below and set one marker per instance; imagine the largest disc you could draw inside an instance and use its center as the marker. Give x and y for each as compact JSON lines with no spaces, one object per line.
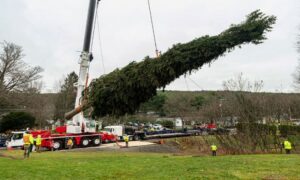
{"x":221,"y":110}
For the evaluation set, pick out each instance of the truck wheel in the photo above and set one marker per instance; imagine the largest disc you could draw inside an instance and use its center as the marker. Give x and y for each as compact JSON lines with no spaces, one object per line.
{"x":57,"y":145}
{"x":136,"y":138}
{"x":85,"y":142}
{"x":97,"y":141}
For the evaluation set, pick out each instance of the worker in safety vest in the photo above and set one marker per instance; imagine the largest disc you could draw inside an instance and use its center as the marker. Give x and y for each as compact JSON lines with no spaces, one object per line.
{"x":126,"y":139}
{"x":28,"y":140}
{"x":214,"y":149}
{"x":70,"y":143}
{"x":287,"y":146}
{"x":38,"y":143}
{"x":31,"y":140}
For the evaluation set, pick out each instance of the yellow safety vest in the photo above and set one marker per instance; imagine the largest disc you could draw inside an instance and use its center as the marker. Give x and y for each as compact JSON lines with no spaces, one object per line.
{"x":70,"y":142}
{"x":30,"y":139}
{"x":26,"y":139}
{"x":287,"y":145}
{"x":38,"y":141}
{"x":126,"y":139}
{"x":213,"y":147}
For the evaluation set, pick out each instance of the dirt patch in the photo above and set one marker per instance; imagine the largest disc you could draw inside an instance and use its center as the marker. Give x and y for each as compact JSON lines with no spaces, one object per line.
{"x":9,"y":157}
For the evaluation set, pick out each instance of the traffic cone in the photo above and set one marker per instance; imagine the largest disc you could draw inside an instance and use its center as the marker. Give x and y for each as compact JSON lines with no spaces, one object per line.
{"x":161,"y":141}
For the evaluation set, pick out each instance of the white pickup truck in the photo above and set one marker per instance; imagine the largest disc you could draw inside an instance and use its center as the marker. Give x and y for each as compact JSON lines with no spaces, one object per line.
{"x":15,"y":139}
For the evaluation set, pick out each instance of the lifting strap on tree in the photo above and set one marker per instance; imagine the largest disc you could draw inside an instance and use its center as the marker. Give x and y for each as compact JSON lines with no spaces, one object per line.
{"x":153,"y":30}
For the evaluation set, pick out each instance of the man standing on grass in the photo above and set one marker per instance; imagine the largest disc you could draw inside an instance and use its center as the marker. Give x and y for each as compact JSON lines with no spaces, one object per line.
{"x":126,"y":139}
{"x":28,"y":140}
{"x":287,"y":146}
{"x":31,"y":140}
{"x":38,"y":142}
{"x":70,"y":143}
{"x":214,"y":149}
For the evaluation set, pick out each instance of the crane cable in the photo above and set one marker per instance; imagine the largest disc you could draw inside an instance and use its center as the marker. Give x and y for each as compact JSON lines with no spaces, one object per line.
{"x":195,"y":83}
{"x":153,"y":30}
{"x":96,"y":25}
{"x":100,"y":42}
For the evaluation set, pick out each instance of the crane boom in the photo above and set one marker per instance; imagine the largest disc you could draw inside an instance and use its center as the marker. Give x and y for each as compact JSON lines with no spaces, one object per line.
{"x":80,"y":124}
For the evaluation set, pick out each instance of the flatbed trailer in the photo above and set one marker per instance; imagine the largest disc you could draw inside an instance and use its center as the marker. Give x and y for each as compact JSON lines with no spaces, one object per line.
{"x":134,"y":134}
{"x":171,"y":133}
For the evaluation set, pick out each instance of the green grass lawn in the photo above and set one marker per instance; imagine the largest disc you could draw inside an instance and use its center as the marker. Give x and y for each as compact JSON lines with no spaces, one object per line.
{"x":105,"y":165}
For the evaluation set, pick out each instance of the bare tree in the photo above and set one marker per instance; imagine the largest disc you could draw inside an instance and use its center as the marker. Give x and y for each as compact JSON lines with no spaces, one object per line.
{"x":296,"y":74}
{"x":66,"y":97}
{"x":15,"y":74}
{"x":240,"y":83}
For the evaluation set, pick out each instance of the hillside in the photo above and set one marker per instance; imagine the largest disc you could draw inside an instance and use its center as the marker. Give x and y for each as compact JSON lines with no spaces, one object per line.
{"x":191,"y":105}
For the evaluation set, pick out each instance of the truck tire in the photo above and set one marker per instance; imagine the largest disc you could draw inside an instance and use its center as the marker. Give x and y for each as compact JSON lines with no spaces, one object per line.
{"x":96,"y":141}
{"x":85,"y":142}
{"x":136,"y":137}
{"x":57,"y":145}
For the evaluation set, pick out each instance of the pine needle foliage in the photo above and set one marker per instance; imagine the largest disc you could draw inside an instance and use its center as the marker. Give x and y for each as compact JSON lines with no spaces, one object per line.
{"x":123,"y":90}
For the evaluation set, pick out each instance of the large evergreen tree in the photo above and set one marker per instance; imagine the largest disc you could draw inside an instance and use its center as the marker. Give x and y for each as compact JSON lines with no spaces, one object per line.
{"x":123,"y":90}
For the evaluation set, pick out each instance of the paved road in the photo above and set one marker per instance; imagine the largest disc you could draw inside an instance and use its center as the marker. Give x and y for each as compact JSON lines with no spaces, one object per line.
{"x":122,"y":144}
{"x":114,"y":146}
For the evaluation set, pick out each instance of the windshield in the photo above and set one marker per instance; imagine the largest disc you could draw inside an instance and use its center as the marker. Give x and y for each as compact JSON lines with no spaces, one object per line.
{"x":107,"y":129}
{"x":18,"y":136}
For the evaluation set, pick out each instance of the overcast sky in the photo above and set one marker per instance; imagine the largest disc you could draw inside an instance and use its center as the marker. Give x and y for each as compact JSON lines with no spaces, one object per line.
{"x":51,"y":33}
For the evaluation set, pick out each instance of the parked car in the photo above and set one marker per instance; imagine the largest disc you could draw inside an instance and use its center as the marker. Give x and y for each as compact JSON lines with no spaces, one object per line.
{"x":157,"y":127}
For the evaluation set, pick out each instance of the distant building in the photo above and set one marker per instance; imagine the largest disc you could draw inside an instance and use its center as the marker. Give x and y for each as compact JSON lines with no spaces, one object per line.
{"x":178,"y":122}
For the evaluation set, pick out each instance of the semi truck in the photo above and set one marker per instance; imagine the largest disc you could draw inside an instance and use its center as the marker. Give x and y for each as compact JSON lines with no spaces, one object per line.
{"x":135,"y":134}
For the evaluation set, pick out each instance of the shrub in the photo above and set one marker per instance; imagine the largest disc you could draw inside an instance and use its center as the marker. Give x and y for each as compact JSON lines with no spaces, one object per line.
{"x":286,"y":130}
{"x":16,"y":120}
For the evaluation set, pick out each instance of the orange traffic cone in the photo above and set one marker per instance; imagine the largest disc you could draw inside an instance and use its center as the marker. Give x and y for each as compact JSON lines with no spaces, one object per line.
{"x":161,"y":141}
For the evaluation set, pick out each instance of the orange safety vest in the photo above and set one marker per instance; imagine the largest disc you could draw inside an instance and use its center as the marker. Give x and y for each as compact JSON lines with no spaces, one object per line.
{"x":26,"y":139}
